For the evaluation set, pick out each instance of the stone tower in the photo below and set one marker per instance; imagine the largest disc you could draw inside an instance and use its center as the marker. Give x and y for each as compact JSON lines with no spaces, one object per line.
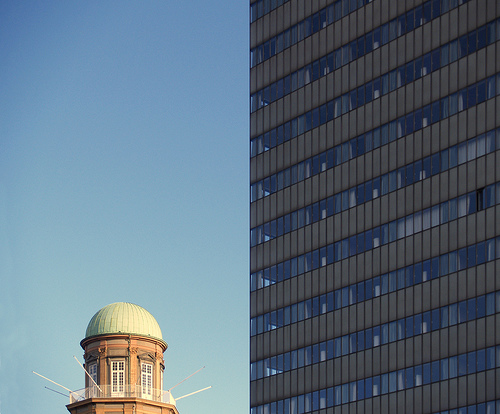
{"x":123,"y":356}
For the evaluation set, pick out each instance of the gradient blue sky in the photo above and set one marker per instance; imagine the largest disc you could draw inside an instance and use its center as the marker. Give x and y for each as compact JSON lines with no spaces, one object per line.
{"x":124,"y":177}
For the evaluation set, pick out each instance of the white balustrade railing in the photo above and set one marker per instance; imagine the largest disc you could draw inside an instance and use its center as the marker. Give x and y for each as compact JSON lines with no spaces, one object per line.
{"x":124,"y":391}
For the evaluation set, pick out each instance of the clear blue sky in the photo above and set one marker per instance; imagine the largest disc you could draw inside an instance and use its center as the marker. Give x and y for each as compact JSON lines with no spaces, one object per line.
{"x":124,"y":177}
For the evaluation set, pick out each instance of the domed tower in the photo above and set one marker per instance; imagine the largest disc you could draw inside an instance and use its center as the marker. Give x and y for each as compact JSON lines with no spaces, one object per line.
{"x":123,"y":356}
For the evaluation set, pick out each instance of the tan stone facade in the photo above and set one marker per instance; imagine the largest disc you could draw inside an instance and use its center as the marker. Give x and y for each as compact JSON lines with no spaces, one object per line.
{"x":120,"y":405}
{"x":129,"y":348}
{"x":128,"y":370}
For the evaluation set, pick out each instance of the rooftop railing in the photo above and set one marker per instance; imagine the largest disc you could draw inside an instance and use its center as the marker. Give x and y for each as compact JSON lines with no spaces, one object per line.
{"x":121,"y":391}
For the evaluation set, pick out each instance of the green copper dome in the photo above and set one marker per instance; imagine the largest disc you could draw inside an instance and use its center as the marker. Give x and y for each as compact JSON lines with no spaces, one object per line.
{"x":124,"y":318}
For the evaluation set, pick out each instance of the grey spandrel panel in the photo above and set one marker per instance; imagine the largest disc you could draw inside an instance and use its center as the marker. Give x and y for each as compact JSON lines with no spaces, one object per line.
{"x":337,"y":371}
{"x":385,"y":114}
{"x":481,"y":333}
{"x":471,"y":230}
{"x":369,"y":68}
{"x":497,"y":328}
{"x":424,"y":142}
{"x":368,"y":259}
{"x":266,"y":28}
{"x":343,"y":223}
{"x":263,"y":301}
{"x":491,"y":59}
{"x":490,"y":330}
{"x":337,"y":37}
{"x":417,"y":350}
{"x":377,"y":62}
{"x":352,"y":75}
{"x":472,"y":14}
{"x":384,"y":358}
{"x":481,"y":225}
{"x":259,"y":166}
{"x":323,"y":331}
{"x":426,"y":348}
{"x":270,"y":207}
{"x":432,"y":295}
{"x":409,"y":250}
{"x":375,"y":311}
{"x":352,"y":275}
{"x":453,"y":391}
{"x":384,"y":309}
{"x":462,"y":338}
{"x":310,"y":46}
{"x":383,"y":260}
{"x":376,"y":361}
{"x":481,"y":279}
{"x":444,"y":238}
{"x":393,"y":256}
{"x":490,"y":389}
{"x":462,"y":17}
{"x":300,"y":103}
{"x":307,"y":288}
{"x":389,"y":208}
{"x":273,"y":295}
{"x":417,"y":247}
{"x":490,"y":219}
{"x":393,"y":54}
{"x":256,"y":397}
{"x":352,"y":22}
{"x":481,"y":64}
{"x":443,"y":343}
{"x":444,"y":184}
{"x":374,"y":407}
{"x":400,"y":153}
{"x":345,"y":30}
{"x":462,"y":73}
{"x":376,"y":259}
{"x":344,"y":82}
{"x":480,"y":120}
{"x":401,"y":254}
{"x":391,"y":153}
{"x":434,"y":239}
{"x":435,"y":135}
{"x":471,"y":122}
{"x":471,"y":389}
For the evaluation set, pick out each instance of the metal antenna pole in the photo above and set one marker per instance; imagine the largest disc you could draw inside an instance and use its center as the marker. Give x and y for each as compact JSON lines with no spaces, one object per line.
{"x":192,"y":393}
{"x":53,"y":382}
{"x":50,"y":389}
{"x":95,"y":383}
{"x":185,"y":379}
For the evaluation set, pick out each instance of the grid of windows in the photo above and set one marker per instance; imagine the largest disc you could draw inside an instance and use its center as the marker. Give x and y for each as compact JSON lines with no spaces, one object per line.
{"x":399,"y":279}
{"x":398,"y":77}
{"x":392,"y":181}
{"x":303,"y":29}
{"x":383,"y":235}
{"x":374,"y":205}
{"x":403,"y":379}
{"x":369,"y":42}
{"x":261,"y":7}
{"x":462,"y":100}
{"x":404,"y":328}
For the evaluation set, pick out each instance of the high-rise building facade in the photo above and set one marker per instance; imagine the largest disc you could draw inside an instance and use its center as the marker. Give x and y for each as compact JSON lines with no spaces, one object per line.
{"x":375,"y":188}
